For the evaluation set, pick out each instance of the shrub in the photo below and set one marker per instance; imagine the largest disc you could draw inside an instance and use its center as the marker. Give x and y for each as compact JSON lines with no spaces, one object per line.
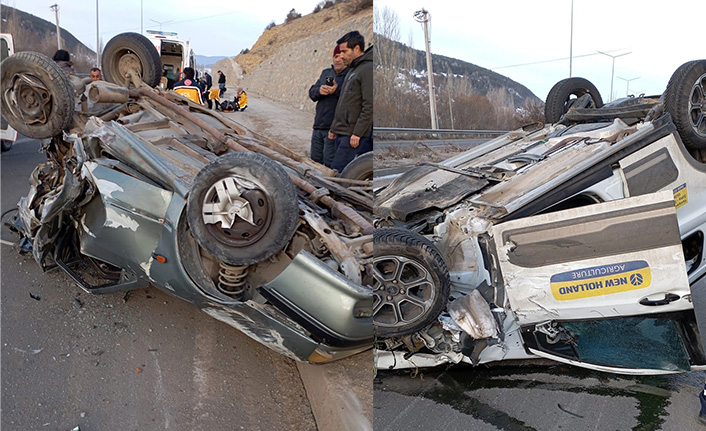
{"x":270,"y":25}
{"x":292,"y":15}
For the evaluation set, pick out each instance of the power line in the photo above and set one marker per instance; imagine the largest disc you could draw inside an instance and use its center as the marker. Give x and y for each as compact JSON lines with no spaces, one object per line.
{"x":550,"y":61}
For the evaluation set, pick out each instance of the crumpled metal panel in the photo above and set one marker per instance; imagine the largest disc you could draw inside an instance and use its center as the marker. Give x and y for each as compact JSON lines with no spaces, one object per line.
{"x":325,"y":298}
{"x":472,"y":314}
{"x":425,"y":187}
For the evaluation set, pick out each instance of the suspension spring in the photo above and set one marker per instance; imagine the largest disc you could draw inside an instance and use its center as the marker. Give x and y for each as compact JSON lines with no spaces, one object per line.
{"x":231,"y":279}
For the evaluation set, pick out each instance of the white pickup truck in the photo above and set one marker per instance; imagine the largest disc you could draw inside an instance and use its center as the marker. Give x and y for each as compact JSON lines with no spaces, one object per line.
{"x":8,"y":135}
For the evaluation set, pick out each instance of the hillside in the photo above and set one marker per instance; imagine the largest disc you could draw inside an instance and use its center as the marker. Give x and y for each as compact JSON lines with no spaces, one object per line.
{"x":31,"y":33}
{"x":288,"y":58}
{"x":467,"y":96}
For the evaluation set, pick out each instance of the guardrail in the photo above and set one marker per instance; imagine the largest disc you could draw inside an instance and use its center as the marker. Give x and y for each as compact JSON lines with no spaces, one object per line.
{"x":401,"y":133}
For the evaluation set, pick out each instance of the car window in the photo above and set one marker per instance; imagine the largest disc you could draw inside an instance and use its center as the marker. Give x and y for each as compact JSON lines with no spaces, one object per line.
{"x":653,"y":343}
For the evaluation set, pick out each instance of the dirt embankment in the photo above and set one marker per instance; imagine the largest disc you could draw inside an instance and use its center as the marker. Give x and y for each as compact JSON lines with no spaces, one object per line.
{"x":287,"y":59}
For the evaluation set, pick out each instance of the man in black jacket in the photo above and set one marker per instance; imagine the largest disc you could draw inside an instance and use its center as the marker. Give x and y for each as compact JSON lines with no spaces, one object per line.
{"x":352,"y":125}
{"x":221,"y":83}
{"x":325,"y":93}
{"x":207,"y":84}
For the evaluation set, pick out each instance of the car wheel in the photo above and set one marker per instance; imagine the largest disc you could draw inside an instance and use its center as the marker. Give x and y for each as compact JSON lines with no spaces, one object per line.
{"x":685,"y":100}
{"x":564,"y":93}
{"x":131,"y":51}
{"x":411,"y":284}
{"x":37,"y":96}
{"x":360,"y":168}
{"x":6,"y":145}
{"x":242,"y":208}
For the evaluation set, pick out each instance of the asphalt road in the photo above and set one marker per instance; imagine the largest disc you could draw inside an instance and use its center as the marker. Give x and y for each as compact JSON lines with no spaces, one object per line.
{"x":148,"y":361}
{"x":535,"y":398}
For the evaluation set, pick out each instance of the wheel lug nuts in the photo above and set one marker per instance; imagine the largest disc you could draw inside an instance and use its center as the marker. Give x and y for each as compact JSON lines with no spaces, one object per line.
{"x":389,"y":297}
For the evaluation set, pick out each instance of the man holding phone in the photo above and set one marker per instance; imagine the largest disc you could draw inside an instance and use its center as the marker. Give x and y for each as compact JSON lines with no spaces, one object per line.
{"x":325,"y":93}
{"x":352,"y":126}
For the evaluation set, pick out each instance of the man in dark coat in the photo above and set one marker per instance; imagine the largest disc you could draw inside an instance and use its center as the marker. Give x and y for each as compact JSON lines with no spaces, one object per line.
{"x":352,"y":125}
{"x":221,"y":83}
{"x":325,"y":93}
{"x":207,"y":84}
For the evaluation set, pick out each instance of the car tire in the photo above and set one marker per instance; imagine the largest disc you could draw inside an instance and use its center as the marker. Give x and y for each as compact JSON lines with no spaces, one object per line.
{"x":6,"y":145}
{"x":411,"y":285}
{"x":360,"y":168}
{"x":131,"y":51}
{"x":33,"y":111}
{"x":559,"y":99}
{"x":263,"y":188}
{"x":685,"y":100}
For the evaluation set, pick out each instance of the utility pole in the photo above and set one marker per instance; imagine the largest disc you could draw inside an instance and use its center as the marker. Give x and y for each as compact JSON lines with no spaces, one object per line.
{"x":449,"y":88}
{"x":424,"y":17}
{"x":571,"y":41}
{"x":55,"y":8}
{"x":612,"y":72}
{"x":98,"y":43}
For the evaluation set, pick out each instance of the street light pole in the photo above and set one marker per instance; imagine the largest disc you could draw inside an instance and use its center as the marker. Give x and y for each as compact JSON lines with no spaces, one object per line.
{"x":424,"y":17}
{"x":627,"y":89}
{"x":612,"y":72}
{"x":55,"y":8}
{"x":161,"y":22}
{"x":98,"y":43}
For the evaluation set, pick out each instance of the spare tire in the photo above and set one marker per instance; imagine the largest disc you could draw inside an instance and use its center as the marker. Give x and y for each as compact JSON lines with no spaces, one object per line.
{"x":360,"y":168}
{"x":411,"y":285}
{"x":564,"y":93}
{"x":131,"y":51}
{"x":685,"y":100}
{"x":242,"y":208}
{"x":37,"y":96}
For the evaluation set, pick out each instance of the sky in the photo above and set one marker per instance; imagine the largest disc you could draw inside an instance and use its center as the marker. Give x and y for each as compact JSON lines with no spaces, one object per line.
{"x":659,"y":37}
{"x":214,"y":28}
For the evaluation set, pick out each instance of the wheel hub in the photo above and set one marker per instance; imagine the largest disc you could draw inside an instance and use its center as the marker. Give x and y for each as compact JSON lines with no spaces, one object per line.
{"x":29,"y":99}
{"x":236,"y":211}
{"x":697,"y":106}
{"x":403,"y":292}
{"x":129,"y":62}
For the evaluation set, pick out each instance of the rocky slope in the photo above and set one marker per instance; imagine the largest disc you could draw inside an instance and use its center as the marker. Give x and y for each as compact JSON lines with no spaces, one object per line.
{"x":287,"y":59}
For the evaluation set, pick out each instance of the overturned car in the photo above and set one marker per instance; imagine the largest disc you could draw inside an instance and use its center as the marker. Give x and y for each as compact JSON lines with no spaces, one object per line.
{"x":142,"y":186}
{"x":580,"y":240}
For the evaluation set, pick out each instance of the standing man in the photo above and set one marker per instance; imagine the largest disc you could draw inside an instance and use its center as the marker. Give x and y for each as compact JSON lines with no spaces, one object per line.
{"x":352,"y":125}
{"x":325,"y":93}
{"x":208,"y":83}
{"x":221,"y":83}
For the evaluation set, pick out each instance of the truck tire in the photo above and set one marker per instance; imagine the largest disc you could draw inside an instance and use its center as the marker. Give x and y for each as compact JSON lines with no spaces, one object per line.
{"x":131,"y":51}
{"x":37,"y":96}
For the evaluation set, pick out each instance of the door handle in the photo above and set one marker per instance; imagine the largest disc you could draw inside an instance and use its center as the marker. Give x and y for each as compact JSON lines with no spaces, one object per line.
{"x":668,"y":297}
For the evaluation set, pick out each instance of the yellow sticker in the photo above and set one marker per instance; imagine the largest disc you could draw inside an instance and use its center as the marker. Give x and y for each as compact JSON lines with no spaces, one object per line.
{"x":681,"y":197}
{"x":601,"y":280}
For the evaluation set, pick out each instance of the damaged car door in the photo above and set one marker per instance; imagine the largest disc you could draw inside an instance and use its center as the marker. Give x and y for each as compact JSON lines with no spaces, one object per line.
{"x":603,"y":286}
